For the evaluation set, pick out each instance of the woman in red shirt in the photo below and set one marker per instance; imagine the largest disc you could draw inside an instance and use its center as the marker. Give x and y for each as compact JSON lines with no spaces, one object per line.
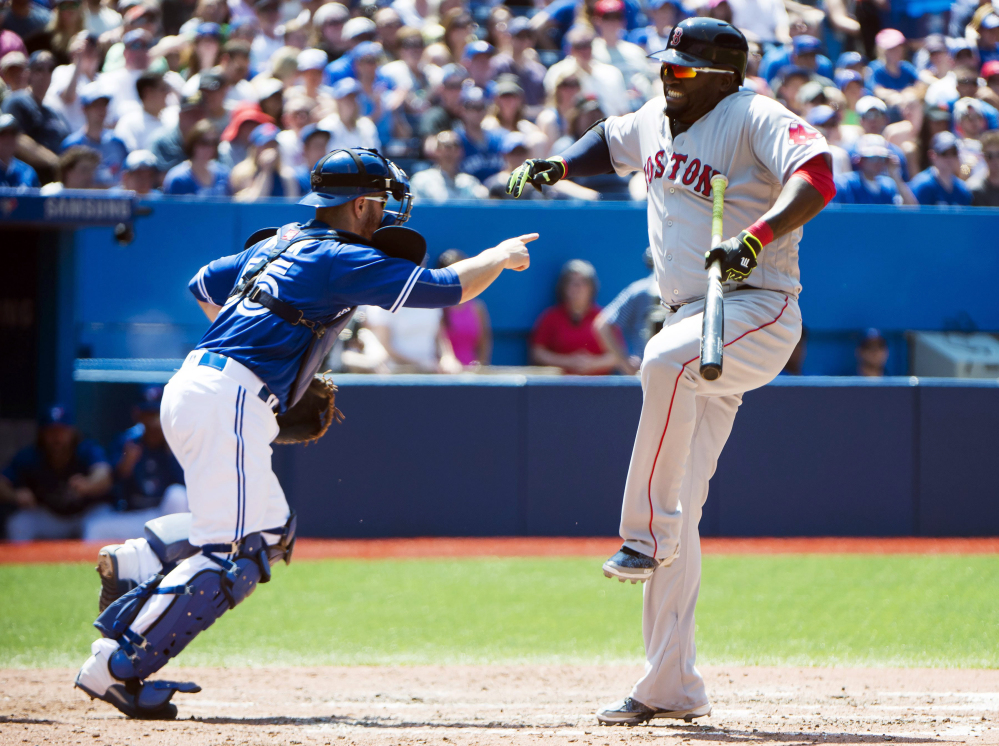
{"x":563,"y":335}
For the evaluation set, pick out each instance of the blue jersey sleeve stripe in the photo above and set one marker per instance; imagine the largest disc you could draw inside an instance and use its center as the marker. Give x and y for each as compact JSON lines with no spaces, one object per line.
{"x":406,"y":290}
{"x":201,"y":283}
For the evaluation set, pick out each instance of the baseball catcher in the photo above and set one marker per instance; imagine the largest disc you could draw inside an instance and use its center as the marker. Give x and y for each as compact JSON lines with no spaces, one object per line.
{"x":276,"y":308}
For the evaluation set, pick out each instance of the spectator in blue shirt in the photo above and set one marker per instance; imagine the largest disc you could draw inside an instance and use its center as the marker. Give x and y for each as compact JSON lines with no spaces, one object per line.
{"x":140,"y":174}
{"x":870,"y":184}
{"x":315,"y":143}
{"x":890,"y":71}
{"x":13,"y":173}
{"x":803,"y":52}
{"x":873,"y":115}
{"x":628,"y":319}
{"x":483,"y":149}
{"x":200,"y":174}
{"x":988,"y":38}
{"x":148,"y":481}
{"x":939,"y":184}
{"x":57,"y":483}
{"x":94,"y":100}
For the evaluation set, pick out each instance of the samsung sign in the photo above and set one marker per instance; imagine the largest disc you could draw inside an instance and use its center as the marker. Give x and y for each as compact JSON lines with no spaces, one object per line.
{"x":71,"y":209}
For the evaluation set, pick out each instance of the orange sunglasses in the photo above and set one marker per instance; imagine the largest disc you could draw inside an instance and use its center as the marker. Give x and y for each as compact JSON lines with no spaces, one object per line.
{"x":688,"y":72}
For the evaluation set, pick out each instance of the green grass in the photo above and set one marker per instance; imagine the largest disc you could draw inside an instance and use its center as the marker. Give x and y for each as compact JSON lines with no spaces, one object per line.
{"x":774,"y":610}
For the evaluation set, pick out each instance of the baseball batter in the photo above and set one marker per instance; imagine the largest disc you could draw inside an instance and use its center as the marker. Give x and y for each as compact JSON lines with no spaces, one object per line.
{"x":779,"y":177}
{"x":276,"y":309}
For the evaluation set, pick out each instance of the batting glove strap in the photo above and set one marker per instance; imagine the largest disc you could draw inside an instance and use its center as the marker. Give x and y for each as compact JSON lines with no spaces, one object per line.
{"x":736,"y":255}
{"x":538,"y":173}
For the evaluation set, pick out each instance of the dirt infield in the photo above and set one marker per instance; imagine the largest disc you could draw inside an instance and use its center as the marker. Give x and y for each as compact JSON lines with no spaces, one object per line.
{"x":538,"y":546}
{"x":511,"y":705}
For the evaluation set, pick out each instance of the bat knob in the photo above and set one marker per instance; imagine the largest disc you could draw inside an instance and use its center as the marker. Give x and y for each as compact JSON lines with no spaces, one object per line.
{"x":710,"y":372}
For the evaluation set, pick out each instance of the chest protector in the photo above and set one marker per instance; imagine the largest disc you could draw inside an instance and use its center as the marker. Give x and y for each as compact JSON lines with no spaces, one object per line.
{"x":324,"y":334}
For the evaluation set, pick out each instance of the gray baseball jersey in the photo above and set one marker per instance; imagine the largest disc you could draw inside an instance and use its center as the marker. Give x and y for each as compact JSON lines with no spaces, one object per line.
{"x":755,"y":142}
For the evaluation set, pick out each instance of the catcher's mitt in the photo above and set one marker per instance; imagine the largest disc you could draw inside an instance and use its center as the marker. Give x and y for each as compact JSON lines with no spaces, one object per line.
{"x":311,"y":416}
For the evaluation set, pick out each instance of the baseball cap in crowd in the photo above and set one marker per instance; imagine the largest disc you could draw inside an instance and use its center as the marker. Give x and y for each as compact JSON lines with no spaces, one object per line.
{"x":13,"y":59}
{"x":267,"y":87}
{"x":845,"y":77}
{"x":151,"y":397}
{"x":520,"y":25}
{"x":139,"y":159}
{"x":93,"y":91}
{"x":137,"y":39}
{"x":990,"y":68}
{"x":57,"y":414}
{"x":512,"y":141}
{"x":9,"y":122}
{"x":608,"y":7}
{"x":990,"y":21}
{"x":867,"y":103}
{"x":312,"y":59}
{"x":191,"y":101}
{"x":358,"y":27}
{"x":963,"y":106}
{"x":367,"y":50}
{"x":937,"y":113}
{"x":812,"y":92}
{"x":345,"y":87}
{"x":793,"y":71}
{"x":11,"y":42}
{"x":935,"y":43}
{"x":451,"y":72}
{"x":477,"y":47}
{"x":507,"y":85}
{"x":873,"y":337}
{"x":889,"y":38}
{"x":205,"y":30}
{"x":330,"y":13}
{"x":872,"y":146}
{"x":472,"y":94}
{"x":211,"y":80}
{"x":264,"y":134}
{"x":41,"y":58}
{"x":849,"y":59}
{"x":805,"y":44}
{"x":942,"y":142}
{"x":309,"y":130}
{"x":820,"y":116}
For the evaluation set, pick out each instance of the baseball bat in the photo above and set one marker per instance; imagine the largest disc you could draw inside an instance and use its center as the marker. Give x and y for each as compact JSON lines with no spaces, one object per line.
{"x":712,"y":330}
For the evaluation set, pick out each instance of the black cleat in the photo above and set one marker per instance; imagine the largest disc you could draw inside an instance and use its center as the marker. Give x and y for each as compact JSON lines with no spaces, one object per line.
{"x":626,"y":712}
{"x":628,"y":564}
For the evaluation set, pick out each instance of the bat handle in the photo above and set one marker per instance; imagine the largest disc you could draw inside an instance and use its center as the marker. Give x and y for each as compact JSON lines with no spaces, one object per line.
{"x":712,"y":339}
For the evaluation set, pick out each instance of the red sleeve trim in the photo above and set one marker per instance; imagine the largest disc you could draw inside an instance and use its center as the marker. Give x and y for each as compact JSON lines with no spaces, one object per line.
{"x":817,"y":173}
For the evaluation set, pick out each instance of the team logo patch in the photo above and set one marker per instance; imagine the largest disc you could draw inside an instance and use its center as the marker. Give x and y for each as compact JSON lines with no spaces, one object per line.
{"x":289,"y":234}
{"x":677,"y":35}
{"x":799,"y":134}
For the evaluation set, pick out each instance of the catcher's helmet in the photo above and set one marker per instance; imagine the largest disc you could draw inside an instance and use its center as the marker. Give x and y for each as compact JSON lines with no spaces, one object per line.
{"x":347,"y":174}
{"x":706,"y":42}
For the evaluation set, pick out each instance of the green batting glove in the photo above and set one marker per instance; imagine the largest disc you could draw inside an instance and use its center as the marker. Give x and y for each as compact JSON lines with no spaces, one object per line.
{"x":537,"y":173}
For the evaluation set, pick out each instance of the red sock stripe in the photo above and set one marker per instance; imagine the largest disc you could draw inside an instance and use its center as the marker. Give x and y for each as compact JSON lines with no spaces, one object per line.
{"x":676,"y":383}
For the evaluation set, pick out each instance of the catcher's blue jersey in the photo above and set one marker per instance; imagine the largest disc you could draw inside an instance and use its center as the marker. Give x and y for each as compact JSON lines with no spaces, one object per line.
{"x":324,"y":278}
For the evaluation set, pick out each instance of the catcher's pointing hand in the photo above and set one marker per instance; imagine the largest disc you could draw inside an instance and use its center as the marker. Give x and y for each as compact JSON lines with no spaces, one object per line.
{"x":537,"y":173}
{"x":737,"y":256}
{"x":517,"y":256}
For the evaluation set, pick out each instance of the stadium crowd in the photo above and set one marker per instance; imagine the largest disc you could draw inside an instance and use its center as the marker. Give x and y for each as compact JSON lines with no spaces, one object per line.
{"x":240,"y":97}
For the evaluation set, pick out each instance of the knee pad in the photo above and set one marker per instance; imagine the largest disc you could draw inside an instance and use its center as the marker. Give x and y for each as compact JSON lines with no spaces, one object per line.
{"x":195,"y":607}
{"x":168,"y":538}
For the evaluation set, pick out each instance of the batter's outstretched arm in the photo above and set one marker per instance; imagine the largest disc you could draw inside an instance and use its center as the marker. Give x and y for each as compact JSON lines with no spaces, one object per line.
{"x":588,"y":156}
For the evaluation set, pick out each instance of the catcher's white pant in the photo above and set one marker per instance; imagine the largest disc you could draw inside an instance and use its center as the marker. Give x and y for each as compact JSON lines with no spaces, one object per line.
{"x":221,"y":432}
{"x":684,"y":425}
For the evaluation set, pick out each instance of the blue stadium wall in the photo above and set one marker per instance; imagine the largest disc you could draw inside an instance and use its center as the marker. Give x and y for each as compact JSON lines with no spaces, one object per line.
{"x":548,"y":456}
{"x":895,"y":269}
